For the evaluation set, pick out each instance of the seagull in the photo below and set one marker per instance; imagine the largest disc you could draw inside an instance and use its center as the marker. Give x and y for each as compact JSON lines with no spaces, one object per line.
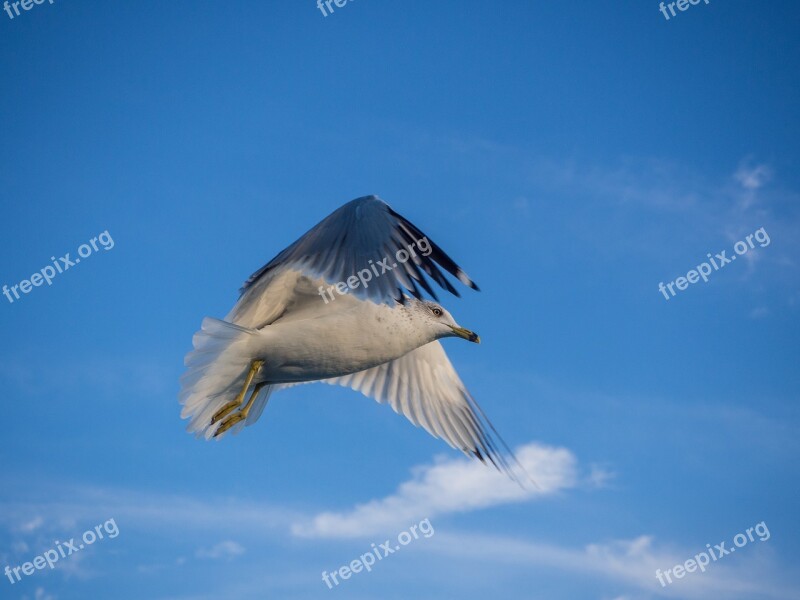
{"x":342,"y":305}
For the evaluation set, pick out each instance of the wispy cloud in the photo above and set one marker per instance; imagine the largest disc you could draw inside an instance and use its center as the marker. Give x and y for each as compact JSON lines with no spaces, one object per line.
{"x":31,"y":525}
{"x":449,"y":486}
{"x":444,"y":487}
{"x":102,"y":375}
{"x":752,"y":177}
{"x":647,"y":207}
{"x":39,"y":594}
{"x":631,"y":563}
{"x":224,"y":550}
{"x":69,"y":508}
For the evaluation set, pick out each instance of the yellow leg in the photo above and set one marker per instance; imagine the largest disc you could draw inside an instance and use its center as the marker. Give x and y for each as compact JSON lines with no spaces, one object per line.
{"x":240,"y":415}
{"x":237,"y":402}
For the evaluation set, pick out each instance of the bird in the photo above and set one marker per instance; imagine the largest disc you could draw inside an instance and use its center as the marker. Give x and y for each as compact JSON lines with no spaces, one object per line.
{"x":343,"y":305}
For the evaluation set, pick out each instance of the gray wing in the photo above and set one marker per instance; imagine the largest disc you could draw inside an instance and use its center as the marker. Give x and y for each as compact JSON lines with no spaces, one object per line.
{"x":356,"y":237}
{"x":424,"y":387}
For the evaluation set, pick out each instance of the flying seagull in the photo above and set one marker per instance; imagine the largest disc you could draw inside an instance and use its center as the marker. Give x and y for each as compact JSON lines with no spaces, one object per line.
{"x":342,"y":305}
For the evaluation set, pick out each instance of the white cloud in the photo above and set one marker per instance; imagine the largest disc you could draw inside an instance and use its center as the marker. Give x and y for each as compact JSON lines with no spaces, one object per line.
{"x":31,"y":525}
{"x":631,"y":563}
{"x":599,"y":476}
{"x":448,"y":486}
{"x":227,"y":549}
{"x":71,"y":509}
{"x":753,"y":177}
{"x":40,"y":594}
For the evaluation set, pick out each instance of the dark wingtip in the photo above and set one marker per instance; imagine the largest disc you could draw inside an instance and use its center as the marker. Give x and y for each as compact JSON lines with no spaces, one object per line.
{"x":464,"y":278}
{"x":437,"y":256}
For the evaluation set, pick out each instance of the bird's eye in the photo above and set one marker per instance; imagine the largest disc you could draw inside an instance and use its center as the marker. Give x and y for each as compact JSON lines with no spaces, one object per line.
{"x":437,"y":311}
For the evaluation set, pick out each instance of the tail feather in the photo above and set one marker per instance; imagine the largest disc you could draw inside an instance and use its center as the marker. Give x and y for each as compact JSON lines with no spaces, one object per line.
{"x":216,"y":371}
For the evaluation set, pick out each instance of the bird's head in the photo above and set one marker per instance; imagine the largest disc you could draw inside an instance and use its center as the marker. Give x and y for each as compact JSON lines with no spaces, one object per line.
{"x":441,"y":322}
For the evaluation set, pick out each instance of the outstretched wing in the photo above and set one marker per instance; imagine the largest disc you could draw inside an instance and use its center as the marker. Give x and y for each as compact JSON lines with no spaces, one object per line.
{"x":365,"y":235}
{"x":424,"y":387}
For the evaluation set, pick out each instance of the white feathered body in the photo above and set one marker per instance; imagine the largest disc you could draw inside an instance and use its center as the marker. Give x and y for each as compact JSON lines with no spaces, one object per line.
{"x":367,"y":335}
{"x":296,"y":348}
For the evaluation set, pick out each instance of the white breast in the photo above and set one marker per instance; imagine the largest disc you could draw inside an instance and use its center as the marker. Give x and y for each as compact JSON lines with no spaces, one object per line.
{"x":353,"y":335}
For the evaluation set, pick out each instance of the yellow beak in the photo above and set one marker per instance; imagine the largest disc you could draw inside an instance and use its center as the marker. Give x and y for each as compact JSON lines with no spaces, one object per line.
{"x":468,"y":335}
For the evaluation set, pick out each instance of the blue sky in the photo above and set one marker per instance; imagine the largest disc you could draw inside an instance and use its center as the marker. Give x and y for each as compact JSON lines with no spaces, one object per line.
{"x":570,"y":156}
